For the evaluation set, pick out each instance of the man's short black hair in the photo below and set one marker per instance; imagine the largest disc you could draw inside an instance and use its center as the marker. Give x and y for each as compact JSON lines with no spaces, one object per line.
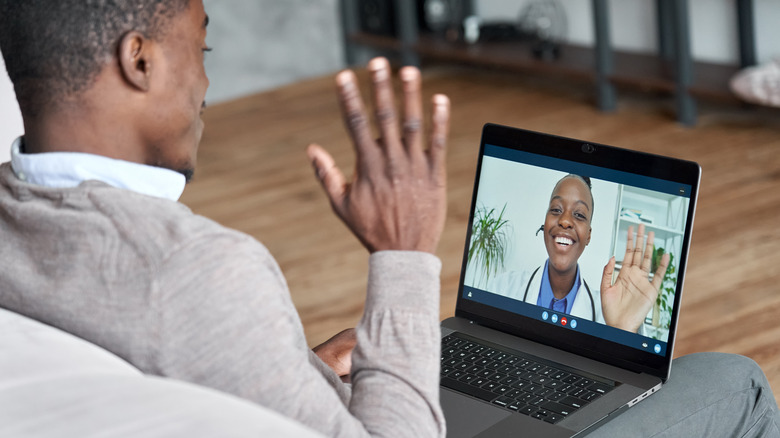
{"x":56,"y":48}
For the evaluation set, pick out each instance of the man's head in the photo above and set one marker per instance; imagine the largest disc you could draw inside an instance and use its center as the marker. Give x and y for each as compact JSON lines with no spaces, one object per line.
{"x":133,"y":66}
{"x":567,"y":222}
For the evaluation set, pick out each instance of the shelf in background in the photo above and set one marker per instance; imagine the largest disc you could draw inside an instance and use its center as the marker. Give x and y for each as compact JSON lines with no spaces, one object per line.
{"x":648,"y":72}
{"x":574,"y":61}
{"x":376,"y":41}
{"x":650,"y":226}
{"x":652,"y":72}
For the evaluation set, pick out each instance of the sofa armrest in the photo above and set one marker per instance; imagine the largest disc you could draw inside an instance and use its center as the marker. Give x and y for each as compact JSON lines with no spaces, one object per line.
{"x":53,"y":384}
{"x":35,"y":351}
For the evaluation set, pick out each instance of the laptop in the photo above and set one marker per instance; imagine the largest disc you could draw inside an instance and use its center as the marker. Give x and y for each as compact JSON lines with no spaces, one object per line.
{"x":525,"y":354}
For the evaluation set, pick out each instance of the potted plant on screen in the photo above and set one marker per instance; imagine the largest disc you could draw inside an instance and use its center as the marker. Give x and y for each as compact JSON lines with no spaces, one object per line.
{"x":489,"y":241}
{"x":662,"y":311}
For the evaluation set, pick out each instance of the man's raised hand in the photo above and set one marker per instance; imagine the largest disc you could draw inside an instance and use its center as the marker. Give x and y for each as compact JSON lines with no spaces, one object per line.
{"x":396,"y":198}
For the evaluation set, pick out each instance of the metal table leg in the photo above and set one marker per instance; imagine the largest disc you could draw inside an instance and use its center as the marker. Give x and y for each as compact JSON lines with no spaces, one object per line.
{"x":606,"y":96}
{"x":406,"y":19}
{"x":349,"y":25}
{"x":686,"y":105}
{"x":747,"y":33}
{"x":665,"y":31}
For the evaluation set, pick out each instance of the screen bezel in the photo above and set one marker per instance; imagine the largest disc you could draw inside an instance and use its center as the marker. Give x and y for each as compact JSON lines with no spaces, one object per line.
{"x":610,"y":157}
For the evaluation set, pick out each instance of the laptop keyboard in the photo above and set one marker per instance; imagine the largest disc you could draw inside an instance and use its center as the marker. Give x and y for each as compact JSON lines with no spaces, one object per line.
{"x":514,"y":381}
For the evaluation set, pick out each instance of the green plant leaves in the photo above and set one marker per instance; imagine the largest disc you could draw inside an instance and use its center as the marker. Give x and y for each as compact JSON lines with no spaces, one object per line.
{"x":665,"y":298}
{"x":489,"y":241}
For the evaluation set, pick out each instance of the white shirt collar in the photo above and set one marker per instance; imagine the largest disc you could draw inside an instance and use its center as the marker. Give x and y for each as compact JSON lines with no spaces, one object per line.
{"x":69,"y":169}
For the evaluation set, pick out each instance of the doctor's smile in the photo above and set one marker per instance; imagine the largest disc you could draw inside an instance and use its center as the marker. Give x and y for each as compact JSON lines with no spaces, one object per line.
{"x":567,"y":231}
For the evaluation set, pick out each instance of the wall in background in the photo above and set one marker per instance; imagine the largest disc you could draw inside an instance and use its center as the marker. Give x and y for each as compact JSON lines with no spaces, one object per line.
{"x":633,"y":28}
{"x":262,"y":44}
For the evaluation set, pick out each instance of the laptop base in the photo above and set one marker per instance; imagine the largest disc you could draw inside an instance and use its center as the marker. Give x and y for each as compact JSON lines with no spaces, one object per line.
{"x":468,"y":416}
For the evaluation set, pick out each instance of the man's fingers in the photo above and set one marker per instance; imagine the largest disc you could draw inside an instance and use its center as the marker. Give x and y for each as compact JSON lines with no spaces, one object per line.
{"x":413,"y":112}
{"x":660,"y":272}
{"x":439,"y":133}
{"x":396,"y":199}
{"x":355,"y":117}
{"x":386,"y":117}
{"x":331,"y":178}
{"x":606,"y":277}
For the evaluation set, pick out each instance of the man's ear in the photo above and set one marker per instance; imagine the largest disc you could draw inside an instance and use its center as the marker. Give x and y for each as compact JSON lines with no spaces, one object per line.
{"x":135,"y":59}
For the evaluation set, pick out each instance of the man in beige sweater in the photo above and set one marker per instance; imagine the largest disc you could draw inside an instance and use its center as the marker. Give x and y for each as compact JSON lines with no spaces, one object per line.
{"x":93,"y":240}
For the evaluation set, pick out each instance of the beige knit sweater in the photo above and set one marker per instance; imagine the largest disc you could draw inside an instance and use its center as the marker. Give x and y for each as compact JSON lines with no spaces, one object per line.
{"x":178,"y":295}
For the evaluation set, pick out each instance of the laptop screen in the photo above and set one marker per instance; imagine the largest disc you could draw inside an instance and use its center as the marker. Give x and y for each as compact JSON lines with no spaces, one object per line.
{"x":554,"y":240}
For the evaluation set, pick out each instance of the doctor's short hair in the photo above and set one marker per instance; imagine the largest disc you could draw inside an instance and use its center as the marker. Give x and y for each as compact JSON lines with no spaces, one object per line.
{"x":587,"y":182}
{"x":56,"y":48}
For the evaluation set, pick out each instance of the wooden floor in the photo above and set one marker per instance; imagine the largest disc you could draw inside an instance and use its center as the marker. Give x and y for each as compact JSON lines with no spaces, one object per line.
{"x":253,"y":176}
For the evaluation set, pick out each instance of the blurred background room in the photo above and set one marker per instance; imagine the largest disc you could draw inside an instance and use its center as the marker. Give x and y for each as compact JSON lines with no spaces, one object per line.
{"x":688,"y":79}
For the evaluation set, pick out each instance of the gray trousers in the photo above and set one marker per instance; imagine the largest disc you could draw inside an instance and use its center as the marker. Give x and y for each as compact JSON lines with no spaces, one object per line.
{"x":707,"y":395}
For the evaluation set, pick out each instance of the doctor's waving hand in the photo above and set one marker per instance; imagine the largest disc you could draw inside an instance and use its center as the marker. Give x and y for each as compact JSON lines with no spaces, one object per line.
{"x":630,"y":298}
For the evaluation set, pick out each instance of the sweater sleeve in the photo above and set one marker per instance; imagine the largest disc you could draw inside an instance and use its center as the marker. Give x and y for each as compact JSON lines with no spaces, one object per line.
{"x":226,"y":321}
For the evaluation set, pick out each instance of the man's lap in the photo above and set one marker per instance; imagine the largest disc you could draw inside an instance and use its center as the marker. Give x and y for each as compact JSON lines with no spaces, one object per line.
{"x":708,"y":394}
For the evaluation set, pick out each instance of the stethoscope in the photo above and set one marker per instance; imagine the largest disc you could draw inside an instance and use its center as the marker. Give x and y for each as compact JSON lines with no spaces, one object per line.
{"x":590,"y":295}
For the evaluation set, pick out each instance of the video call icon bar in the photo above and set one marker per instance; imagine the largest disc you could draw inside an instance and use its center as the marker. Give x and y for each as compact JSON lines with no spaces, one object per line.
{"x":572,"y":323}
{"x":555,"y":319}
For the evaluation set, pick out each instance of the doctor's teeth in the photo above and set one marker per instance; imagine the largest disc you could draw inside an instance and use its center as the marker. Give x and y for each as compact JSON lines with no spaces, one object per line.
{"x":564,"y":240}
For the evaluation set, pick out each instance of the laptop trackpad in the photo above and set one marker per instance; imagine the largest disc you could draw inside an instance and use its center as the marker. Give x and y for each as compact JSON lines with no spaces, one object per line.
{"x":467,"y":417}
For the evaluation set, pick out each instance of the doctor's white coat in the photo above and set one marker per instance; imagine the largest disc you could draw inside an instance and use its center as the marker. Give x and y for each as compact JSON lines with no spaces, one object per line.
{"x":513,"y":284}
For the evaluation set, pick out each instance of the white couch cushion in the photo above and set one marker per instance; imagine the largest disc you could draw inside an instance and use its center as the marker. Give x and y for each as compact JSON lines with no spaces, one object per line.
{"x":35,"y":351}
{"x":53,"y":384}
{"x":129,"y":406}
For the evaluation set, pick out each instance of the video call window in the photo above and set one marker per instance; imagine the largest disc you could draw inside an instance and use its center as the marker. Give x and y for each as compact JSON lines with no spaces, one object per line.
{"x":508,"y":254}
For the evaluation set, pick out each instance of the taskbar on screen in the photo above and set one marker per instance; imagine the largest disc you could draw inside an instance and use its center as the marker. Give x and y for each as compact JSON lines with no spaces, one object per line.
{"x":564,"y":320}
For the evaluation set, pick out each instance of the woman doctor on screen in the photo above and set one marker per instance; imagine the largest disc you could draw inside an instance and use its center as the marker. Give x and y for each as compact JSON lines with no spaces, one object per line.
{"x":557,"y":284}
